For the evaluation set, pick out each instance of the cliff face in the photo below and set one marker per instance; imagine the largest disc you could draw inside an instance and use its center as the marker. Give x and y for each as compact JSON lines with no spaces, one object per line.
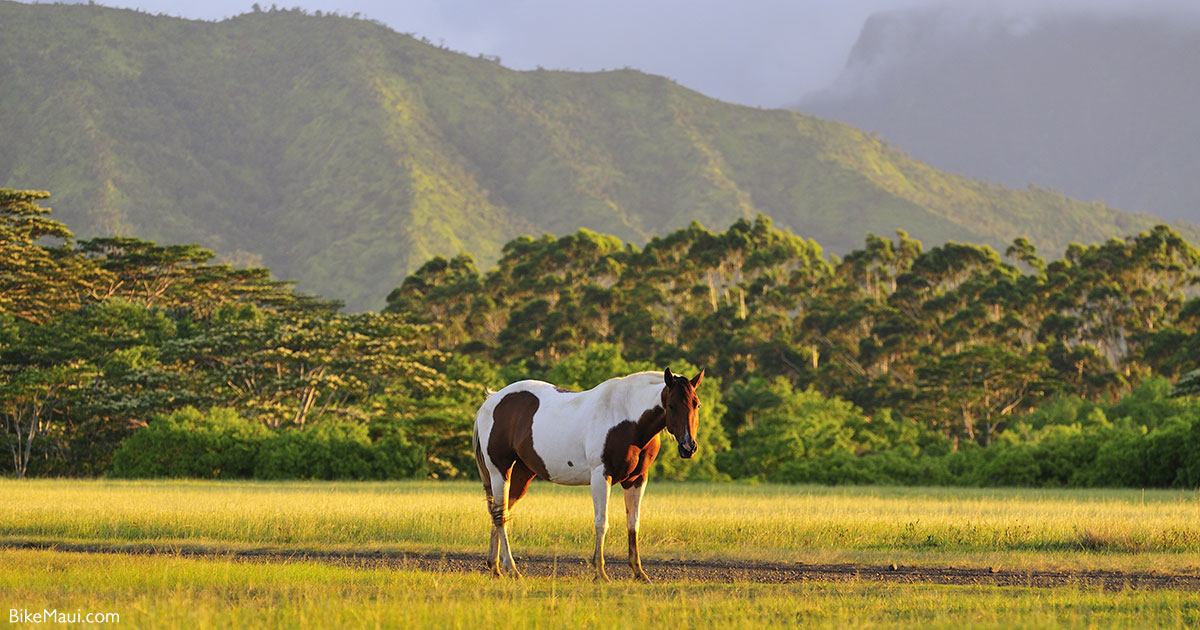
{"x":1097,"y":107}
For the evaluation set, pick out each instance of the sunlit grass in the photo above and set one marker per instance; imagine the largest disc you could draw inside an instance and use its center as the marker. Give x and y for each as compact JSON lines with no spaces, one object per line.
{"x":170,"y":592}
{"x":1125,"y":529}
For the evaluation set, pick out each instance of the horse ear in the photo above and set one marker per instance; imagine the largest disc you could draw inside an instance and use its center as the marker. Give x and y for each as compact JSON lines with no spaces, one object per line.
{"x":699,"y":377}
{"x":668,"y":377}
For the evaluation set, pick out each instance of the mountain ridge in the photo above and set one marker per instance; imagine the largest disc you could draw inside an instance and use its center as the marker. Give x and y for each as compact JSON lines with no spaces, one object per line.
{"x":343,"y":154}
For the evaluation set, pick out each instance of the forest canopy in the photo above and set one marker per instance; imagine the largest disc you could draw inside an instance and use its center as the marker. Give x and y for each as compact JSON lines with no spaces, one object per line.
{"x":897,"y":363}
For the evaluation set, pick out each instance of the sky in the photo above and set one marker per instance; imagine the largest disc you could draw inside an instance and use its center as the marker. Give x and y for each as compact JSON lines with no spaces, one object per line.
{"x":755,"y":52}
{"x":768,"y":53}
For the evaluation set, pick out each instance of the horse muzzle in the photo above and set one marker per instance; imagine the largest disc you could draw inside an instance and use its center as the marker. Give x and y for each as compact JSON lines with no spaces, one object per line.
{"x":687,"y":448}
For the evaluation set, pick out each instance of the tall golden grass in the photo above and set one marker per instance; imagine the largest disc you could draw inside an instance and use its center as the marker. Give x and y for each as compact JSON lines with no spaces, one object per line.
{"x":1125,"y":529}
{"x":172,"y":592}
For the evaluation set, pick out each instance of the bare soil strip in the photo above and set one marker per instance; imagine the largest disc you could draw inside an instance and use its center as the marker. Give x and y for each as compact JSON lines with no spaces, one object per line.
{"x":712,"y":571}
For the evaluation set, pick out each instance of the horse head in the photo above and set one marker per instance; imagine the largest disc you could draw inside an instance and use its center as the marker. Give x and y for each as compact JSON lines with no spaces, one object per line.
{"x":681,"y":405}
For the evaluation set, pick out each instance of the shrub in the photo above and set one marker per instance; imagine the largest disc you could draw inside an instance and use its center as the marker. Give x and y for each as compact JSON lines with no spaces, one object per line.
{"x":326,"y":450}
{"x":339,"y":450}
{"x":791,"y":426}
{"x":220,"y":444}
{"x":217,"y":443}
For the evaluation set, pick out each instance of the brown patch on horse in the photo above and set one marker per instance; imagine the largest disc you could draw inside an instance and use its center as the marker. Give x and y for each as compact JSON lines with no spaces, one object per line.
{"x":630,"y":448}
{"x":639,"y":479}
{"x":518,"y":483}
{"x":512,"y":434}
{"x":642,"y":469}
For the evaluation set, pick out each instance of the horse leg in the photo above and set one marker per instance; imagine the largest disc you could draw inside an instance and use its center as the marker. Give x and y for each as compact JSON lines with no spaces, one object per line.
{"x":600,"y":485}
{"x":498,"y":508}
{"x":633,"y":504}
{"x":501,"y":516}
{"x":493,"y":559}
{"x":518,"y":483}
{"x":488,"y":474}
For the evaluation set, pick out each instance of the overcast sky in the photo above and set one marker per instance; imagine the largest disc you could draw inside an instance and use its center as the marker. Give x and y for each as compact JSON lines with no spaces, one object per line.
{"x":757,"y":52}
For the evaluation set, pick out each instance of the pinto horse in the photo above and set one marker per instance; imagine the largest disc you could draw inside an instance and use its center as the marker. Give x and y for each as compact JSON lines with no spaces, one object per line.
{"x":606,"y":435}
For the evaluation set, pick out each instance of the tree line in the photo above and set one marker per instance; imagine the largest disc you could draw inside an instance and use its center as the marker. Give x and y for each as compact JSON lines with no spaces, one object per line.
{"x":894,"y":363}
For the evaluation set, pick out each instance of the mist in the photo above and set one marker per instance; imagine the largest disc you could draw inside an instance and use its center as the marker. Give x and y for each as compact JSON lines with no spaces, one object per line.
{"x":929,"y":33}
{"x":768,"y":53}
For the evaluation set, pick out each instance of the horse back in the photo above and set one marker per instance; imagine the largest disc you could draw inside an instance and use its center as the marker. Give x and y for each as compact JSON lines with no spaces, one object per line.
{"x":543,"y":426}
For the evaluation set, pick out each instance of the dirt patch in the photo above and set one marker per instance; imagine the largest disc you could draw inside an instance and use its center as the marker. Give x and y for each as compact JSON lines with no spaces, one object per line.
{"x":712,"y":571}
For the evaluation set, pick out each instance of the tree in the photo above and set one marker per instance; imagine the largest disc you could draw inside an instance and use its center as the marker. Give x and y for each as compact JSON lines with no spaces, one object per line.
{"x":980,"y":388}
{"x":1188,"y":385}
{"x":285,"y":368}
{"x":85,"y":379}
{"x":38,"y":280}
{"x":29,"y":400}
{"x":183,"y":277}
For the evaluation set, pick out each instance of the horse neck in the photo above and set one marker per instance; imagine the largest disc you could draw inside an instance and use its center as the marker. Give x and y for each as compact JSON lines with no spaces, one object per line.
{"x":649,"y":424}
{"x":646,"y":408}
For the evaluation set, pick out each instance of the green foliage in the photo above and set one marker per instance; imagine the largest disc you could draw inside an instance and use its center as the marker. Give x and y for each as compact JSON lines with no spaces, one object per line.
{"x":439,"y":420}
{"x":1188,"y":385}
{"x":940,"y":348}
{"x":38,"y":280}
{"x":189,"y":443}
{"x":594,"y":365}
{"x":338,"y":450}
{"x":785,"y":428}
{"x":892,"y":365}
{"x":283,"y":368}
{"x":1066,"y":443}
{"x":221,"y":444}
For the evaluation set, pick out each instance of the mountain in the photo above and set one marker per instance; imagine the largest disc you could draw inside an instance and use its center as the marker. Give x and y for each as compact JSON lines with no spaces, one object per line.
{"x":343,"y":154}
{"x":1099,"y":107}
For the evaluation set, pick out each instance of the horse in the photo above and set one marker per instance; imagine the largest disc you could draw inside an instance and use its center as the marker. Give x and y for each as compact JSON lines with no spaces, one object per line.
{"x":600,"y":437}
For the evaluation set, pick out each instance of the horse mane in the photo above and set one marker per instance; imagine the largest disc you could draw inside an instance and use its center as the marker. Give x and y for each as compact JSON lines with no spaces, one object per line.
{"x":622,"y":387}
{"x":635,"y":380}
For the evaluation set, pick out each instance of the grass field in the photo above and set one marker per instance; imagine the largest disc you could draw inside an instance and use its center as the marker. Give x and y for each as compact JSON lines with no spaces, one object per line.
{"x":189,"y":593}
{"x":1125,"y":530}
{"x":1052,"y":529}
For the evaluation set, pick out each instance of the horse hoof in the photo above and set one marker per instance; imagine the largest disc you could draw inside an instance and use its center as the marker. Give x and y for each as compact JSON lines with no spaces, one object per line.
{"x":642,"y":577}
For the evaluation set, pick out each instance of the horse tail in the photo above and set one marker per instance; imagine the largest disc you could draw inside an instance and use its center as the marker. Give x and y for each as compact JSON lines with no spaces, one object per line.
{"x":484,"y":417}
{"x":484,"y":475}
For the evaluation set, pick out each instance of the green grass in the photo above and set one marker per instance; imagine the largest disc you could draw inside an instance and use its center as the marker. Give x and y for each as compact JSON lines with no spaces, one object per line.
{"x":170,"y":592}
{"x":1028,"y":529}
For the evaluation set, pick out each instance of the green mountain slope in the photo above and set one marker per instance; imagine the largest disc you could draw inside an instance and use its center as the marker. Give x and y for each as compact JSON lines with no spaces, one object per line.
{"x":343,"y":154}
